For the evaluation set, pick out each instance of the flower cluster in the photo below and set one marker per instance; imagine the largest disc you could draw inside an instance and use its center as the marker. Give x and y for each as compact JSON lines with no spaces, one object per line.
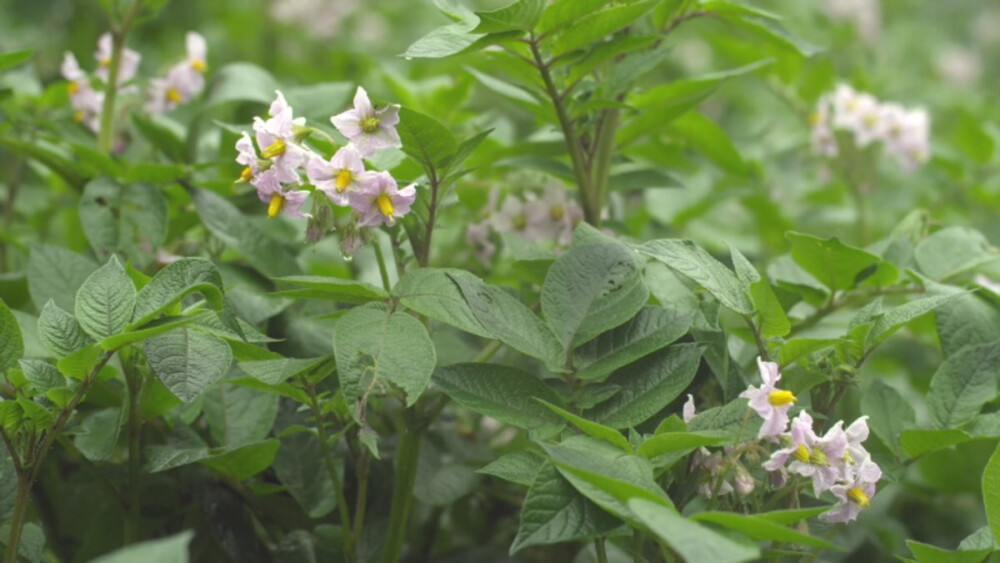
{"x":549,"y":218}
{"x":836,"y":461}
{"x":183,"y":81}
{"x":904,"y":132}
{"x":276,"y":171}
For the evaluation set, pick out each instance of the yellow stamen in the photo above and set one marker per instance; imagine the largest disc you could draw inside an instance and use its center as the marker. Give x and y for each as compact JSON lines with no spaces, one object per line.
{"x":106,"y":61}
{"x":384,"y":205}
{"x":344,"y":179}
{"x":859,"y":497}
{"x":173,"y":95}
{"x":277,"y":203}
{"x":815,"y":119}
{"x":73,"y":88}
{"x":818,"y":457}
{"x":199,"y":65}
{"x":802,"y":453}
{"x":246,"y":175}
{"x":557,"y":212}
{"x":781,"y":398}
{"x":871,"y":120}
{"x":78,"y":116}
{"x":277,"y":148}
{"x":369,"y":124}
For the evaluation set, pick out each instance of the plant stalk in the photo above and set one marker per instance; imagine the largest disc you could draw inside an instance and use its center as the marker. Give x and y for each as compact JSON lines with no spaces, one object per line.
{"x":21,"y":500}
{"x":407,"y":457}
{"x":106,"y":134}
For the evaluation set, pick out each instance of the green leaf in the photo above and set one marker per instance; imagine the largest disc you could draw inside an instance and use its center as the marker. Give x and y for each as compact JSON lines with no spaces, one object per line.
{"x":338,"y":290}
{"x":445,"y":484}
{"x":434,"y":293}
{"x":773,"y":320}
{"x":49,"y":155}
{"x":796,"y":348}
{"x":105,"y":301}
{"x":889,"y":414}
{"x":446,"y":40}
{"x":963,"y":383}
{"x":129,"y":219}
{"x":710,"y":140}
{"x":835,"y":264}
{"x":274,"y":372}
{"x":232,"y":228}
{"x":760,"y":528}
{"x":11,"y":343}
{"x":425,"y":139}
{"x":926,"y":553}
{"x":99,"y":433}
{"x":241,"y":82}
{"x":465,"y":150}
{"x":510,"y":322}
{"x":673,"y":442}
{"x":237,"y":415}
{"x":10,"y":59}
{"x":969,"y":319}
{"x":163,"y":137}
{"x":991,"y":492}
{"x":504,"y":393}
{"x":554,"y":512}
{"x":919,"y":441}
{"x":503,"y":87}
{"x":187,"y":362}
{"x":375,"y":346}
{"x":692,"y":541}
{"x":605,"y":474}
{"x":238,"y":463}
{"x":590,"y":289}
{"x":562,"y":12}
{"x":301,"y":470}
{"x":687,"y":258}
{"x":521,"y":16}
{"x":41,"y":375}
{"x":55,"y":274}
{"x":154,"y":173}
{"x":517,"y":467}
{"x":590,"y":428}
{"x":762,"y":24}
{"x":149,"y":330}
{"x":650,"y":330}
{"x":598,"y":24}
{"x":893,"y":320}
{"x":172,"y":549}
{"x":79,"y":364}
{"x":173,"y":283}
{"x":953,"y":251}
{"x":647,"y":386}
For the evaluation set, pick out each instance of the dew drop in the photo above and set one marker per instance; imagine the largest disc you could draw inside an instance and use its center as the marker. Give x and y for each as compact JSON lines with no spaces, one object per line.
{"x":347,"y":257}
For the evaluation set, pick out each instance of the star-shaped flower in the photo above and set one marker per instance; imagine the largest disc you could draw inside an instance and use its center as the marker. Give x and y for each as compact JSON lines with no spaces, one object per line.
{"x":369,"y":129}
{"x":768,"y":401}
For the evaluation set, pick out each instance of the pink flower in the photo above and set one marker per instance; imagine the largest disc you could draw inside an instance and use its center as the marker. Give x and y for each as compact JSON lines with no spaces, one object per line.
{"x":279,"y":200}
{"x":771,"y":403}
{"x":380,"y":202}
{"x":343,"y":173}
{"x":127,"y":67}
{"x":276,"y":136}
{"x":478,"y":235}
{"x":820,"y":459}
{"x":854,"y":495}
{"x":87,"y":102}
{"x":184,"y":80}
{"x":367,"y":128}
{"x":687,"y":411}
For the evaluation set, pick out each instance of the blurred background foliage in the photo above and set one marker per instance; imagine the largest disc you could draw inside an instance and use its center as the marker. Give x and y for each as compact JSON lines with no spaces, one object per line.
{"x":944,"y":56}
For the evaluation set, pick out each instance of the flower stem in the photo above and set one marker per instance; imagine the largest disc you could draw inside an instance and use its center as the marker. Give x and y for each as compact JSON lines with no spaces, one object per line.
{"x":133,"y":382}
{"x":580,"y":168}
{"x":338,"y":487}
{"x":602,"y":553}
{"x":407,"y":455}
{"x":604,"y":149}
{"x":21,"y":500}
{"x":106,"y":134}
{"x":361,"y":500}
{"x":380,"y":258}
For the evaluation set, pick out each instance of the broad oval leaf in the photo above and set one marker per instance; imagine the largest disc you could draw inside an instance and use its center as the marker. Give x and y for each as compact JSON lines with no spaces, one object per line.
{"x":105,"y":301}
{"x":187,"y":361}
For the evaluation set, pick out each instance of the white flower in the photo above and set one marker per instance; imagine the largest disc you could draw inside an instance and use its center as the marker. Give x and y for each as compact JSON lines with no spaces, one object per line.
{"x":820,"y":459}
{"x":280,"y":200}
{"x":855,"y":495}
{"x":87,"y":102}
{"x":343,"y":173}
{"x":367,"y":128}
{"x":687,"y":411}
{"x":380,"y":202}
{"x":907,"y":135}
{"x":184,"y":80}
{"x":512,"y":217}
{"x":822,"y":138}
{"x":554,"y":216}
{"x":126,"y":68}
{"x":478,"y":235}
{"x":276,"y":136}
{"x":768,"y":401}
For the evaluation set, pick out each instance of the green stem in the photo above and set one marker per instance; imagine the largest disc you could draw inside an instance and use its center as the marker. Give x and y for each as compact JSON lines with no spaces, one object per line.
{"x":759,"y":339}
{"x":602,"y":553}
{"x":861,"y":210}
{"x":383,"y":272}
{"x":407,"y":456}
{"x":580,"y":169}
{"x":425,"y":256}
{"x":106,"y":134}
{"x":361,"y":500}
{"x":637,"y":546}
{"x":21,"y":501}
{"x":133,"y":382}
{"x":604,"y":149}
{"x":331,"y":467}
{"x":33,"y":459}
